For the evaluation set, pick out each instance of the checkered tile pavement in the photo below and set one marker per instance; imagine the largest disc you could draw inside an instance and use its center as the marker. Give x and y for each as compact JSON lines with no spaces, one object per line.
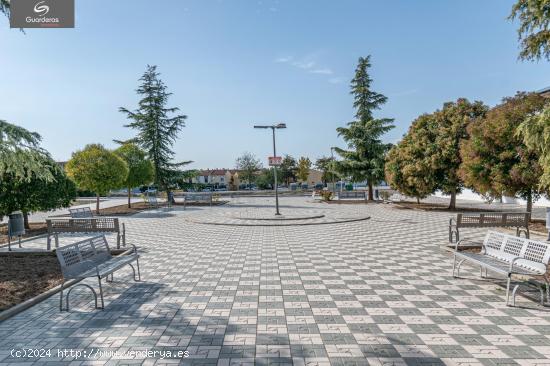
{"x":374,"y":292}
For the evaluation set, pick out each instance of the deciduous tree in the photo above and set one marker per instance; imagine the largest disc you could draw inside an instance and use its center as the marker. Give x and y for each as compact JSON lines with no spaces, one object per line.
{"x":409,"y":167}
{"x":302,"y":170}
{"x":496,"y":161}
{"x":452,"y":123}
{"x":97,"y":169}
{"x":248,"y":166}
{"x":140,"y":169}
{"x":288,"y":169}
{"x":535,"y":133}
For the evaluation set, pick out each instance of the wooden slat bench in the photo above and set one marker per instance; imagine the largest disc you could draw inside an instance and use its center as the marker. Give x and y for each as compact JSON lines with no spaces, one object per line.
{"x":519,"y":220}
{"x":93,"y":225}
{"x":92,"y":258}
{"x":508,"y":255}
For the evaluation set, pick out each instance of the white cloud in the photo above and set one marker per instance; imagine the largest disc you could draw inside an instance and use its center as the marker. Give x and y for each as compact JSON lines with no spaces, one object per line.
{"x":337,"y":80}
{"x":322,"y":71}
{"x":309,"y":65}
{"x":283,"y":60}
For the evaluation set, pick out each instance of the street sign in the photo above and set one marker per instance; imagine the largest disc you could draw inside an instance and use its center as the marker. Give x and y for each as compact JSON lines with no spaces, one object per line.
{"x":275,"y":160}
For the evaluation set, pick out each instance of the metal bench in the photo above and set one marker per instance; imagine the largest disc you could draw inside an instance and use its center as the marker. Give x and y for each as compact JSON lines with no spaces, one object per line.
{"x":519,"y":220}
{"x":93,"y":225}
{"x":351,"y":194}
{"x":152,"y":201}
{"x":197,"y":197}
{"x":92,"y":258}
{"x":81,"y":212}
{"x":508,"y":255}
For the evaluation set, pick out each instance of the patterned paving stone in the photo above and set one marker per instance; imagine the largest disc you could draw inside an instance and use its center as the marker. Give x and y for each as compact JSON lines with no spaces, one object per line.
{"x":374,"y":292}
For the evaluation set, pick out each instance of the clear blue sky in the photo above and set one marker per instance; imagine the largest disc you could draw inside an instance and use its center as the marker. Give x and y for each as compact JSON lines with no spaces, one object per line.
{"x":233,"y":63}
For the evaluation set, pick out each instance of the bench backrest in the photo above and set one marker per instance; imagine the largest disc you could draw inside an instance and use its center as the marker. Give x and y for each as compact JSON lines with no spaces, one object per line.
{"x":97,"y":224}
{"x":351,"y":194}
{"x":492,"y":219}
{"x":82,"y":256}
{"x":535,"y":255}
{"x":81,"y":212}
{"x":198,"y":197}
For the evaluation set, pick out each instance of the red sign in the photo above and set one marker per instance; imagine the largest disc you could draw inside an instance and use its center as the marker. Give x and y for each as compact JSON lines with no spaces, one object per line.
{"x":275,"y":160}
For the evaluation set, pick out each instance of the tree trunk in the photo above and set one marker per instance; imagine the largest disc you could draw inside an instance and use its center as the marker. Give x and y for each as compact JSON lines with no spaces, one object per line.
{"x":129,"y":198}
{"x":452,"y":204}
{"x":97,"y":204}
{"x":371,"y":196}
{"x":418,"y":200}
{"x":530,"y":202}
{"x":26,"y":220}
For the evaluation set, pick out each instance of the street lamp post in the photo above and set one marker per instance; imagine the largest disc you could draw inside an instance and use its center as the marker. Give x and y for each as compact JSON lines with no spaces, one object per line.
{"x":332,"y":172}
{"x":273,"y":128}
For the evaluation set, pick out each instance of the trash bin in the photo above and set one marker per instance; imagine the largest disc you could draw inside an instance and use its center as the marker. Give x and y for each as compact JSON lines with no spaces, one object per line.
{"x":16,"y":227}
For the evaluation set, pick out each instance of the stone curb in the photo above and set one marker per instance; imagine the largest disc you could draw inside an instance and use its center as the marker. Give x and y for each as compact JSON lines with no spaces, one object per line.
{"x":341,"y":221}
{"x":14,"y":310}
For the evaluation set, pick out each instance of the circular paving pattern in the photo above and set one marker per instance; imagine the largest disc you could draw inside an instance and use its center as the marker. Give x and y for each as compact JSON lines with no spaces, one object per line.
{"x":265,"y":217}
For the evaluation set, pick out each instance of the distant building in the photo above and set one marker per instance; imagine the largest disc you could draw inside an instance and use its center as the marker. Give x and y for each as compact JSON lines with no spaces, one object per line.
{"x":228,"y":178}
{"x":544,"y":92}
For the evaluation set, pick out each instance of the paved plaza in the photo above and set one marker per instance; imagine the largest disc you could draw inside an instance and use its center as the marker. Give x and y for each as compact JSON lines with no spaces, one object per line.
{"x":375,"y":291}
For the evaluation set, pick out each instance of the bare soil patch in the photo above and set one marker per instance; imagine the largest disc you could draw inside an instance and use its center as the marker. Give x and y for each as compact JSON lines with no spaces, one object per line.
{"x":25,"y":275}
{"x":36,"y":229}
{"x":436,"y":207}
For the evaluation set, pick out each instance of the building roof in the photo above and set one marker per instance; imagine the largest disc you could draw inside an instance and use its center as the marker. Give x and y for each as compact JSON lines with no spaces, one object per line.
{"x":543,"y":90}
{"x":210,"y":172}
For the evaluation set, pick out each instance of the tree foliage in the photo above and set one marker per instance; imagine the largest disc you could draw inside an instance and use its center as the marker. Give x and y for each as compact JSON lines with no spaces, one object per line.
{"x":36,"y":194}
{"x":327,"y":166}
{"x":265,"y":179}
{"x":364,"y":158}
{"x":97,"y":169}
{"x":533,"y":31}
{"x":158,"y":126}
{"x":302,"y":169}
{"x":5,"y":7}
{"x":288,"y":169}
{"x":248,"y":166}
{"x":535,"y":133}
{"x":409,"y":164}
{"x":451,"y":123}
{"x":140,"y":169}
{"x":495,"y":159}
{"x":21,"y":155}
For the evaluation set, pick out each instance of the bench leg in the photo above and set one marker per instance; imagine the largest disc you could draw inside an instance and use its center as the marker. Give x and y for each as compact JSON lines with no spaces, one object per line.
{"x":513,"y":296}
{"x":458,"y":268}
{"x":508,"y":288}
{"x":61,"y":297}
{"x":134,"y":270}
{"x":100,"y":294}
{"x":453,"y":233}
{"x":69,"y":293}
{"x":547,"y":289}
